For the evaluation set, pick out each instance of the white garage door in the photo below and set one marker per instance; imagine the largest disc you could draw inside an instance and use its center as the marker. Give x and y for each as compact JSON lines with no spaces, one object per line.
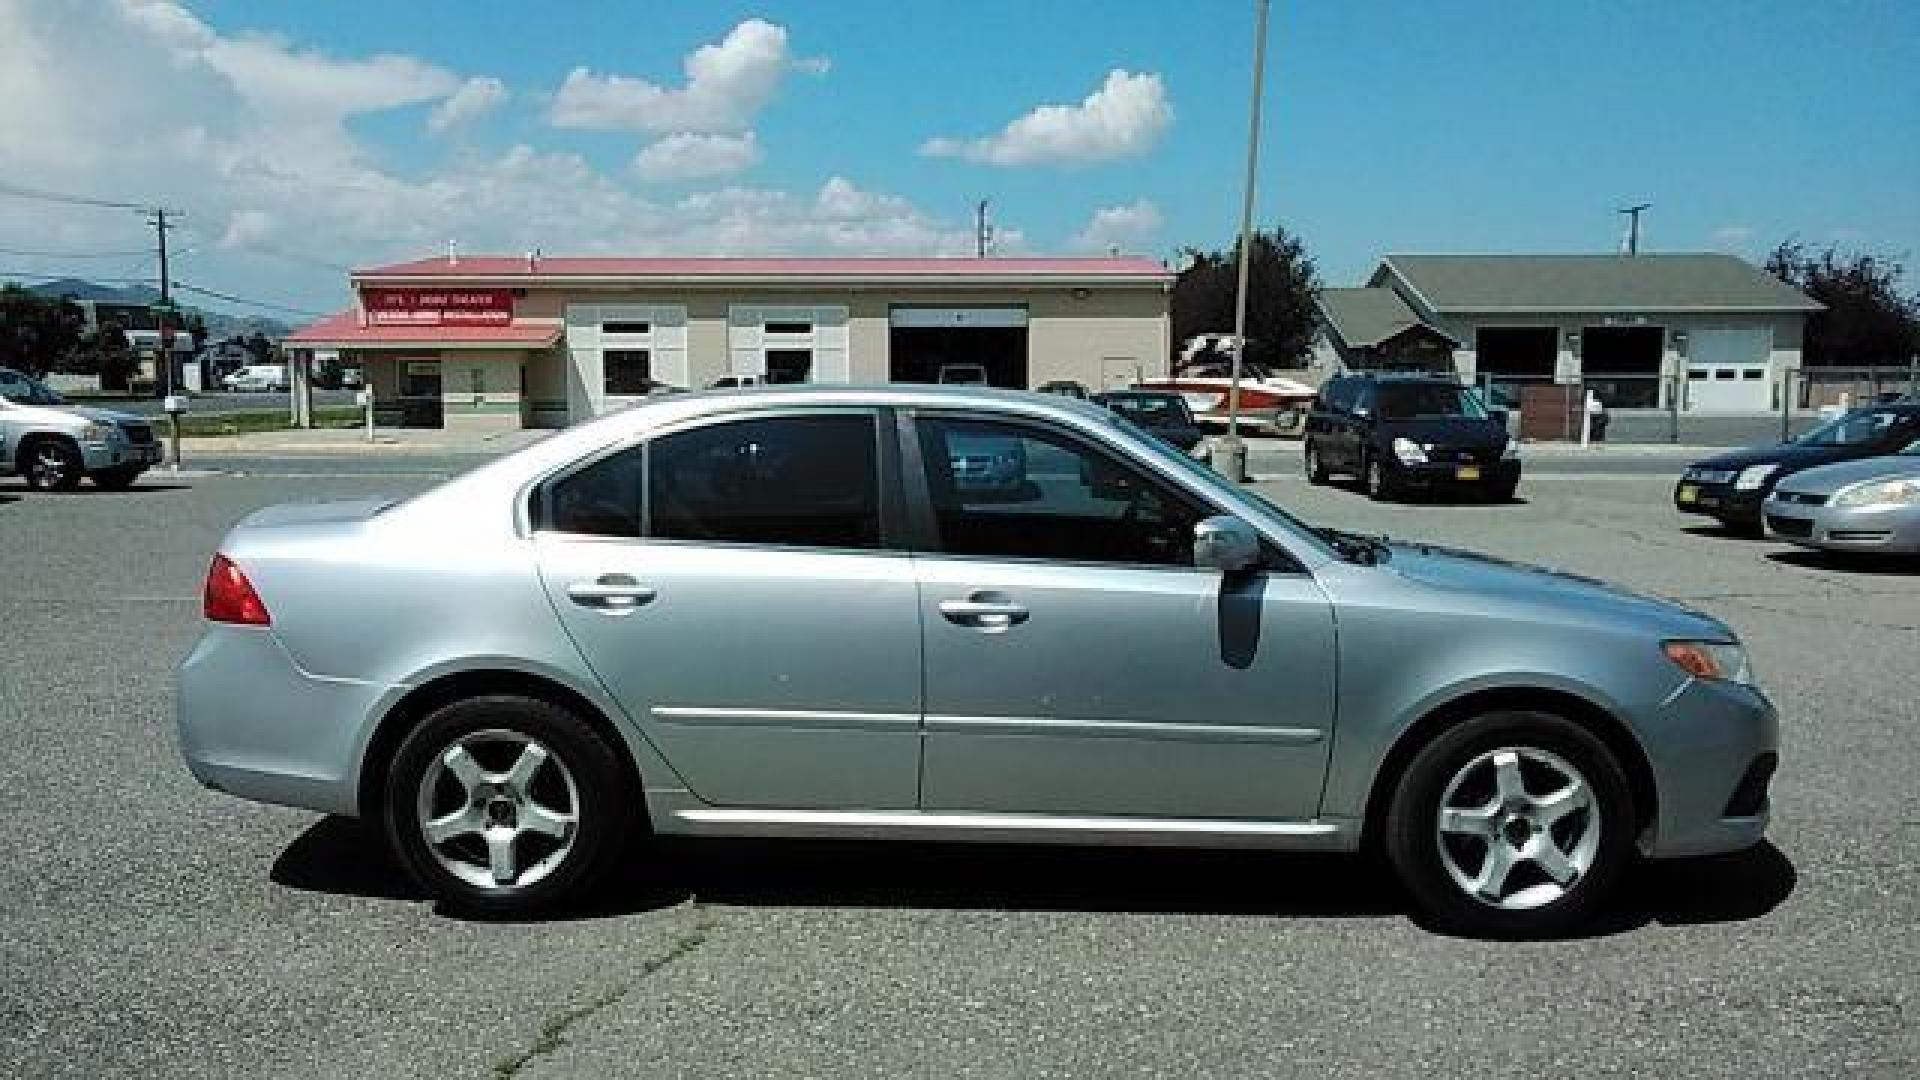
{"x":1727,"y":369}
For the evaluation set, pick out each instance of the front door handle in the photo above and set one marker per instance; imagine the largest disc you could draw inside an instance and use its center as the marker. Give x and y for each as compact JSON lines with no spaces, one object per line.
{"x":987,"y":611}
{"x":616,"y":594}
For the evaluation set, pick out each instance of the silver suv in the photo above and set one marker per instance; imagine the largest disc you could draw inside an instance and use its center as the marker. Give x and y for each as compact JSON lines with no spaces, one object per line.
{"x":54,"y":443}
{"x":785,"y":612}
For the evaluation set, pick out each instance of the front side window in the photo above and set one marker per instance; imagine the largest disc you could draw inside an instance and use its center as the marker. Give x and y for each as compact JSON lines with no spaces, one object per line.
{"x":1860,"y":427}
{"x":1008,"y":490}
{"x":628,"y":371}
{"x":810,"y":481}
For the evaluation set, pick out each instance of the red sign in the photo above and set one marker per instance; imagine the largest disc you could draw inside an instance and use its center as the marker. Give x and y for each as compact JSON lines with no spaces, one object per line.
{"x":438,"y":307}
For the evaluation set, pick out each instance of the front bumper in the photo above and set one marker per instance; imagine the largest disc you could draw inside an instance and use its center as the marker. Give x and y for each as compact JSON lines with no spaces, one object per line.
{"x":1502,"y":473}
{"x":1845,"y":528}
{"x":253,"y":724}
{"x":1722,"y":501}
{"x":116,"y":453}
{"x":1712,"y":748}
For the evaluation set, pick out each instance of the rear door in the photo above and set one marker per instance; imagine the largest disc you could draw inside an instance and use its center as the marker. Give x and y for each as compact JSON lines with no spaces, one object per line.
{"x":735,"y":586}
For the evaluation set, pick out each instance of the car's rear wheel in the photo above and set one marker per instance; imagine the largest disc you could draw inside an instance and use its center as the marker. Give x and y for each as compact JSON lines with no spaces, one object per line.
{"x":506,"y":805}
{"x":1316,"y":467}
{"x":1512,"y":824}
{"x":52,"y":464}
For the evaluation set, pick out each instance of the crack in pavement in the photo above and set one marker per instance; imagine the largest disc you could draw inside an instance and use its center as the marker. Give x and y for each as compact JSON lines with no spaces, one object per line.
{"x":553,"y":1032}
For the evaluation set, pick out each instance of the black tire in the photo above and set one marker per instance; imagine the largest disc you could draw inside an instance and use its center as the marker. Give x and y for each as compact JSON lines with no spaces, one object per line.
{"x":1413,"y":841}
{"x":602,"y":796}
{"x":1316,"y":468}
{"x":51,"y":463}
{"x":119,"y":479}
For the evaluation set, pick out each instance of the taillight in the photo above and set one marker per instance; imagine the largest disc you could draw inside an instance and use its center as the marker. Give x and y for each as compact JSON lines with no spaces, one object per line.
{"x":230,"y":597}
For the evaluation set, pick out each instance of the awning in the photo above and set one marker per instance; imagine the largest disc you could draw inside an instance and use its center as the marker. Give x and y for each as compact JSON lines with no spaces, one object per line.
{"x":345,"y":331}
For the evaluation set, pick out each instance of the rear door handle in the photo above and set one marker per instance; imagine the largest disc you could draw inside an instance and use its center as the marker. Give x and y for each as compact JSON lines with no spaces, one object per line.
{"x":616,"y":594}
{"x":984,"y":611}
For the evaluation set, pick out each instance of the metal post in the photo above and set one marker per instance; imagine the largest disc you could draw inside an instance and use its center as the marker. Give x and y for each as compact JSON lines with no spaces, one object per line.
{"x":1236,"y":451}
{"x":1786,"y":403}
{"x":366,"y":394}
{"x":173,"y":419}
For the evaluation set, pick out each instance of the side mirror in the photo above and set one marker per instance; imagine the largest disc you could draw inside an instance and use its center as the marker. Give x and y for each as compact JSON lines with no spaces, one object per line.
{"x":1226,"y":544}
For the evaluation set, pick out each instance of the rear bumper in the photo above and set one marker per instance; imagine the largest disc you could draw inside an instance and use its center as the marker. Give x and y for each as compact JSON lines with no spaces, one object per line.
{"x":1836,"y":528}
{"x":252,"y":724}
{"x":1712,"y":758}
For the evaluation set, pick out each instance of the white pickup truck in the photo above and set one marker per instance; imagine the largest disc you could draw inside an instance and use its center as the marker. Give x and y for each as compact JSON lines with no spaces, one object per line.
{"x":54,"y":443}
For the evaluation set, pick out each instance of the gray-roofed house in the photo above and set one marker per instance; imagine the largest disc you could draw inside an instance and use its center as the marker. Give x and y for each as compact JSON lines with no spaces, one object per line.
{"x":1373,"y":329}
{"x":1709,"y":332}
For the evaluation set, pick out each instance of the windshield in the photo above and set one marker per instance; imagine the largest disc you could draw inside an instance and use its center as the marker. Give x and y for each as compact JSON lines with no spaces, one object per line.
{"x":1155,"y":410}
{"x":21,"y":390}
{"x":1860,"y":427}
{"x":1404,"y":401}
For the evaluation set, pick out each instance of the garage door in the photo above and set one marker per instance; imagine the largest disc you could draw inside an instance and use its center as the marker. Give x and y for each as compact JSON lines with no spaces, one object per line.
{"x":923,"y":340}
{"x":1727,"y":369}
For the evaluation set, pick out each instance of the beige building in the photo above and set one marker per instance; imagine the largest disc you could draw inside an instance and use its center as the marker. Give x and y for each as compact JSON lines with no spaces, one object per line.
{"x":543,"y":342}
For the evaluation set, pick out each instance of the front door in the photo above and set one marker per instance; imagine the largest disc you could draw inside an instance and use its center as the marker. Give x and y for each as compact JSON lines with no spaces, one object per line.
{"x":730,"y":584}
{"x":1078,"y":663}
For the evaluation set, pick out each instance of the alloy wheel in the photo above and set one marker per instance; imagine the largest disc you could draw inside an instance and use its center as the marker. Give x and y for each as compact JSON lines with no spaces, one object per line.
{"x":49,"y":466}
{"x":498,"y":809}
{"x":1518,"y":828}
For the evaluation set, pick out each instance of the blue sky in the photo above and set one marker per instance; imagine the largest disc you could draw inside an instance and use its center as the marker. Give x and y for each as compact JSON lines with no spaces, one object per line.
{"x":1402,"y":126}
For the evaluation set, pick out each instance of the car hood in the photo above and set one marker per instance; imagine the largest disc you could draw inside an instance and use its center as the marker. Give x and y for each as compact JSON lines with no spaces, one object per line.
{"x":1791,"y":455}
{"x":1828,"y":479}
{"x":1446,"y":431}
{"x":1583,"y":598}
{"x":70,"y":415}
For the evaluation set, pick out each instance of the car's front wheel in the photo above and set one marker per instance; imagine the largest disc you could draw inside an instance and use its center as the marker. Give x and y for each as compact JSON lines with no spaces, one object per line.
{"x":506,"y":805}
{"x":52,"y":463}
{"x":1511,"y":824}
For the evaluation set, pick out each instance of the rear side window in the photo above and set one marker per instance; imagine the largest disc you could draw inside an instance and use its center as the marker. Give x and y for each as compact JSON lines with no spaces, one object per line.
{"x":602,"y":499}
{"x":808,"y":481}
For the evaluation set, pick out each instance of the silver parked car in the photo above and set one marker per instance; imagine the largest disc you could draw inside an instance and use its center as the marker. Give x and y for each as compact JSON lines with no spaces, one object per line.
{"x":54,"y":443}
{"x":779,"y":612}
{"x":1868,"y":505}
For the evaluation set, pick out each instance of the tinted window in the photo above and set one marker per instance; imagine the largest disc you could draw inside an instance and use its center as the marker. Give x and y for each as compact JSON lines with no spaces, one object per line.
{"x":811,"y":481}
{"x":1860,"y":427}
{"x":788,"y":328}
{"x":602,"y":499}
{"x":628,"y":371}
{"x":1014,"y":491}
{"x":1151,"y":410}
{"x":1403,"y":401}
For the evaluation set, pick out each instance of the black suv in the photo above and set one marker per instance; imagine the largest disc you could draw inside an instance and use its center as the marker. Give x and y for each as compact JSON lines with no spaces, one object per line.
{"x":1395,"y":432}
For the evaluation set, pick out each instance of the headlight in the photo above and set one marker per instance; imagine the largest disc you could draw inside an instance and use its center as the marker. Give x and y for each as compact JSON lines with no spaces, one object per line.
{"x":1753,"y":476}
{"x":1409,"y":452}
{"x":1900,"y":492}
{"x":1511,"y":451}
{"x":96,"y":433}
{"x":1714,"y":660}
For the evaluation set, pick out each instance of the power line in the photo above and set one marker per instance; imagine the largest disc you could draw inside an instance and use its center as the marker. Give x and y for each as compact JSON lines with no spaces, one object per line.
{"x":72,"y":254}
{"x":24,"y":192}
{"x":288,"y":308}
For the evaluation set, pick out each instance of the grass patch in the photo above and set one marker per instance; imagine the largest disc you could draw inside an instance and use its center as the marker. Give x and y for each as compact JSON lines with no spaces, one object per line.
{"x":240,"y":423}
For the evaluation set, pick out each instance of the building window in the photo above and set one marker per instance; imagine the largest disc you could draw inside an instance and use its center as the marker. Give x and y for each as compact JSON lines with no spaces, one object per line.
{"x":788,"y":328}
{"x":789,"y":365}
{"x":626,"y":328}
{"x":628,"y":371}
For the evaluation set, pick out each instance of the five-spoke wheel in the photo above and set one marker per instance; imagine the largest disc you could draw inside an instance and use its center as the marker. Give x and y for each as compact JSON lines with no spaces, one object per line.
{"x":502,"y":804}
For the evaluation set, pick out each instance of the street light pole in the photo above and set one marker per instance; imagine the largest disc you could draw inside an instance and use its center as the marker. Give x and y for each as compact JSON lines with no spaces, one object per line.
{"x":1236,"y":450}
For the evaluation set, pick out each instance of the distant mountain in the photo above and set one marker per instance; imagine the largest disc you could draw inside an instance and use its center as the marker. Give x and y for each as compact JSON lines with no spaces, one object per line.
{"x":220,"y":324}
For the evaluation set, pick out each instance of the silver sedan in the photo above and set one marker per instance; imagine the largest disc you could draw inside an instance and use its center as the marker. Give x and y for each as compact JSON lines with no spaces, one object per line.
{"x":1868,"y":505}
{"x":784,"y":612}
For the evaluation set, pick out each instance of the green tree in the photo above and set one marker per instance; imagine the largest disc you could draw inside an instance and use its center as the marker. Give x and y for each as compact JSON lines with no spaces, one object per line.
{"x":37,"y":333}
{"x":1281,"y":281}
{"x":1868,"y":319}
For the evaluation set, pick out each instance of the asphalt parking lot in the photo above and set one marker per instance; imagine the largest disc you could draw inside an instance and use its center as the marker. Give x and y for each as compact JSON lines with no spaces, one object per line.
{"x":150,"y":927}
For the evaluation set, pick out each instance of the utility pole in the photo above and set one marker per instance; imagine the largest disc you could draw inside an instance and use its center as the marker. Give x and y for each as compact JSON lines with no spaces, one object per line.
{"x":1633,"y":226}
{"x":982,"y":232}
{"x":164,"y":360}
{"x":1236,"y":450}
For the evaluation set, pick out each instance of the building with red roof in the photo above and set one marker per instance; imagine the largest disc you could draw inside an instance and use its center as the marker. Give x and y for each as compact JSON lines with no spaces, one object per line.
{"x":543,"y":342}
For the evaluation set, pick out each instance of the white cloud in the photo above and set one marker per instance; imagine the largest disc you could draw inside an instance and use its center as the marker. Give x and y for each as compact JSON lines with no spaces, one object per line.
{"x":1124,"y":118}
{"x":1128,"y":226}
{"x":1733,"y":238}
{"x":727,"y":86}
{"x":690,"y":156}
{"x":475,"y":98}
{"x":279,"y":191}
